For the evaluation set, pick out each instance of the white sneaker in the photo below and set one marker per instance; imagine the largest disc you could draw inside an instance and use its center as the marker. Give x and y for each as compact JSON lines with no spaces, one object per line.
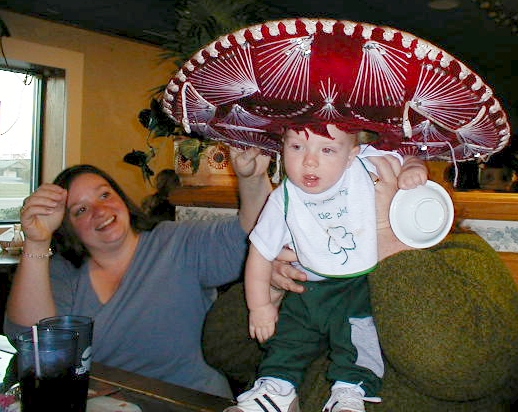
{"x":265,"y":396}
{"x":347,"y":399}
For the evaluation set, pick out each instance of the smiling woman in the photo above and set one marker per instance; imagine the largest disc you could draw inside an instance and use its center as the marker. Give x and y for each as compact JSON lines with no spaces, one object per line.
{"x":132,"y":275}
{"x":94,"y":201}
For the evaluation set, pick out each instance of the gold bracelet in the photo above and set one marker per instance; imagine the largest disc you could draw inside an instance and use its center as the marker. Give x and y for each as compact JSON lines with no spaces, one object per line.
{"x":38,"y":255}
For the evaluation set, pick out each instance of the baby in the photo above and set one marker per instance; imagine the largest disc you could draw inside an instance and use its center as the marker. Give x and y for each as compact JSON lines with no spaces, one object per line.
{"x":325,"y":210}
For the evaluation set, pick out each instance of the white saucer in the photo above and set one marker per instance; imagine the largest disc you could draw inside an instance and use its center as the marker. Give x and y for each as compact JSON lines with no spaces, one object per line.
{"x":107,"y":404}
{"x":422,"y":217}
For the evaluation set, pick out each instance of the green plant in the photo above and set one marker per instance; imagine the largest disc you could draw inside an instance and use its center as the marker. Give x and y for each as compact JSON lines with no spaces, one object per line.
{"x":200,"y":22}
{"x":192,"y":149}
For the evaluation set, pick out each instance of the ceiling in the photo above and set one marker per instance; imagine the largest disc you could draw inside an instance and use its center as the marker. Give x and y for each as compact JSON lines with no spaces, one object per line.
{"x":467,"y":31}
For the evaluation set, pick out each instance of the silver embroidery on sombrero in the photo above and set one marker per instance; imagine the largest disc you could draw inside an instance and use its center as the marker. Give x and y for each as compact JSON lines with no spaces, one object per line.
{"x":204,"y":129}
{"x":267,"y":111}
{"x":248,"y":85}
{"x":381,"y":76}
{"x":480,"y":137}
{"x":329,"y":94}
{"x":283,"y":68}
{"x":247,"y":138}
{"x":432,"y":143}
{"x":424,"y":49}
{"x":476,"y":139}
{"x":240,"y":117}
{"x":234,"y":128}
{"x":237,"y":136}
{"x":195,"y":109}
{"x":227,"y":79}
{"x":441,"y":98}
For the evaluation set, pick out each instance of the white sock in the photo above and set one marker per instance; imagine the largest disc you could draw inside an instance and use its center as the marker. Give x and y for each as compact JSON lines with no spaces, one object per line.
{"x":358,"y":388}
{"x":355,"y":386}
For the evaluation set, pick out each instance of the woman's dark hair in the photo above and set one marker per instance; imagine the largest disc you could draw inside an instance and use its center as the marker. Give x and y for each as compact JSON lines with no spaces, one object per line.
{"x":157,"y":205}
{"x":166,"y":181}
{"x":65,"y":240}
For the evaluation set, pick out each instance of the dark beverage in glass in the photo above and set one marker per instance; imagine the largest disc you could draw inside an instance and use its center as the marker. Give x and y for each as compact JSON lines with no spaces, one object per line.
{"x":80,"y":390}
{"x":55,"y":392}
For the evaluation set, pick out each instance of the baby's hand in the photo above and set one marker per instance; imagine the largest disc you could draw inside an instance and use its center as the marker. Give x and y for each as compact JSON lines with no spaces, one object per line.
{"x":262,"y":322}
{"x":413,"y":173}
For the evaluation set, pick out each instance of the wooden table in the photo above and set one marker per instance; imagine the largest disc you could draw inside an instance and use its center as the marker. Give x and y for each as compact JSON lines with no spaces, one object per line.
{"x":153,"y":395}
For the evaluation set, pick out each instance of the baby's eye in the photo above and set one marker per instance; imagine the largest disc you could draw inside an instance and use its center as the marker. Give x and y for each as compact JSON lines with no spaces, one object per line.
{"x":328,"y":150}
{"x":105,"y":195}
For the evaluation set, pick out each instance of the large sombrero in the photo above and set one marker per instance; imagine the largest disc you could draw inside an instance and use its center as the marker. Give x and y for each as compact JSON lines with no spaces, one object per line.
{"x":246,"y":87}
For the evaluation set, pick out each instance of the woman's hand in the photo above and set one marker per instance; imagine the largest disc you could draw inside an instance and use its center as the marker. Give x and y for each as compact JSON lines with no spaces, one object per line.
{"x":249,"y":163}
{"x":284,"y":275}
{"x":388,"y":169}
{"x":250,"y":167}
{"x":42,"y":212}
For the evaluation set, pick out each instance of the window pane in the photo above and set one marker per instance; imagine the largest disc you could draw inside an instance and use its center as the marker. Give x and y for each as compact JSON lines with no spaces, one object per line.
{"x":17,"y":130}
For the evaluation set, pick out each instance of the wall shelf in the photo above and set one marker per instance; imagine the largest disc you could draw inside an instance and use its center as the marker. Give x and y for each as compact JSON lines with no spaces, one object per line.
{"x":206,"y":196}
{"x":486,"y":205}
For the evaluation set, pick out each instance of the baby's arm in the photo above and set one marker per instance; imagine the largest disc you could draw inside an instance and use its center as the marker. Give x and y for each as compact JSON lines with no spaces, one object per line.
{"x":263,"y":313}
{"x":413,"y":173}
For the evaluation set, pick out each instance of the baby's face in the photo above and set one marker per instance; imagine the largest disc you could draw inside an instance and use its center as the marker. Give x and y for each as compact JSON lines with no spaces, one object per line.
{"x":314,"y":163}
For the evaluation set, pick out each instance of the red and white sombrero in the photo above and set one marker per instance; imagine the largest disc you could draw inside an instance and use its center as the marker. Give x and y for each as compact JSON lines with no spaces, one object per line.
{"x":245,"y":87}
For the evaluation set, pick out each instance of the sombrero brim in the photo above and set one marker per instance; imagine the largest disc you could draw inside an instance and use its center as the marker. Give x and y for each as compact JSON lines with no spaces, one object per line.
{"x":248,"y":86}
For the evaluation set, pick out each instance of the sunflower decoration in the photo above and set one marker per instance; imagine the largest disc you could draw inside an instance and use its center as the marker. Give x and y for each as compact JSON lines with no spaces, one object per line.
{"x":218,"y":157}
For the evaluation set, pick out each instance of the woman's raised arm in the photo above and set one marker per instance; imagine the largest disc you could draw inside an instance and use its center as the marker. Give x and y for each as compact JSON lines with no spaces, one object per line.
{"x":251,"y":167}
{"x":30,"y":298}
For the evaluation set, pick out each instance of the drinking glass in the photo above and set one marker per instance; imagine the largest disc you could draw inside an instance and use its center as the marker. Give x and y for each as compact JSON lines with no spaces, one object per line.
{"x":83,"y":325}
{"x":46,"y":363}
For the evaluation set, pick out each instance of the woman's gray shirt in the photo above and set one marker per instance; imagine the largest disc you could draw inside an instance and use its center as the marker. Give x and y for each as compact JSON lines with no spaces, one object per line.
{"x":153,"y":323}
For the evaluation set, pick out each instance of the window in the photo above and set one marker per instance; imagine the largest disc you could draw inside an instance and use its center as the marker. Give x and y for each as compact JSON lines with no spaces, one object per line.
{"x":20,"y":97}
{"x":60,"y":73}
{"x":24,"y":89}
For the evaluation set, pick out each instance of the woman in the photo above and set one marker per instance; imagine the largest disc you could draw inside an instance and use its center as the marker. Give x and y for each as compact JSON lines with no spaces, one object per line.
{"x":147,"y":288}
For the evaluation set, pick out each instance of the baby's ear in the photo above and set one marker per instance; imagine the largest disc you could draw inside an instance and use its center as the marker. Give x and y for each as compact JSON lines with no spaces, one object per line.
{"x":367,"y":136}
{"x":352,"y":155}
